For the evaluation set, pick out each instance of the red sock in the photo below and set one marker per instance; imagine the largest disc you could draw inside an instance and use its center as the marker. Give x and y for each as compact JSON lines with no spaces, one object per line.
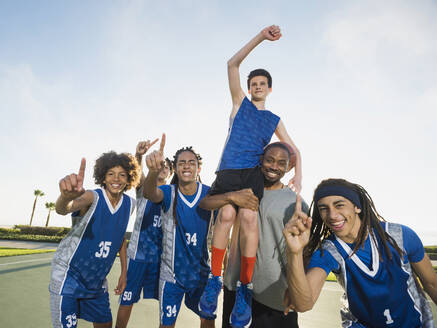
{"x":217,"y":256}
{"x":246,"y":271}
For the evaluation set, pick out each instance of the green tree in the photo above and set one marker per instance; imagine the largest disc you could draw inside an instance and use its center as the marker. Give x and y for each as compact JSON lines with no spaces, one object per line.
{"x":37,"y":193}
{"x":50,"y":206}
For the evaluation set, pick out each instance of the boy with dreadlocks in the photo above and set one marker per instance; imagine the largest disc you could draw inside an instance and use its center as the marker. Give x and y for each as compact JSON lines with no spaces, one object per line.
{"x":373,"y":260}
{"x":78,"y":286}
{"x":184,"y":268}
{"x":250,"y":130}
{"x":145,"y":246}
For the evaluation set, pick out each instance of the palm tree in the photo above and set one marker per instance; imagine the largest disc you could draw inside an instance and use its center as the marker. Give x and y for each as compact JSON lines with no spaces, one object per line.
{"x":37,"y":193}
{"x":50,"y":206}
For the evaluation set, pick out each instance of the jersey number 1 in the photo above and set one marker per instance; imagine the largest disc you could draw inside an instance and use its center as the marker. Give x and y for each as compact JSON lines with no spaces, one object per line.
{"x":388,"y":316}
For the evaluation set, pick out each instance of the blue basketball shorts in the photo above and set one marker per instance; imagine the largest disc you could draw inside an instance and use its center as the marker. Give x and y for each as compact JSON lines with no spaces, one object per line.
{"x":66,"y":310}
{"x":140,"y":276}
{"x":170,"y":300}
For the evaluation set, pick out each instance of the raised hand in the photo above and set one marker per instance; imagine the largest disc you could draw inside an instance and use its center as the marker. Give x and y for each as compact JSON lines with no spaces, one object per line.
{"x":245,"y":198}
{"x":155,"y":160}
{"x":144,"y":146}
{"x":295,"y":184}
{"x":297,"y":231}
{"x":71,"y":186}
{"x":271,"y":33}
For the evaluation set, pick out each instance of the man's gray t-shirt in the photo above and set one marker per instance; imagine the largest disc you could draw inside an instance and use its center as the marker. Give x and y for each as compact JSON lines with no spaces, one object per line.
{"x":270,"y":275}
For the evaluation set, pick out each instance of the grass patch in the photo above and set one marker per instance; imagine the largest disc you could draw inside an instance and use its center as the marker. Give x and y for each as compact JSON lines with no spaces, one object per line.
{"x":431,"y":249}
{"x":7,"y":251}
{"x":15,"y":236}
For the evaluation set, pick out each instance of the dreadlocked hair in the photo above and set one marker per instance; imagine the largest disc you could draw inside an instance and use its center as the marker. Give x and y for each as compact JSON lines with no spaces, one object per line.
{"x":370,"y":222}
{"x":170,"y":165}
{"x":175,"y":180}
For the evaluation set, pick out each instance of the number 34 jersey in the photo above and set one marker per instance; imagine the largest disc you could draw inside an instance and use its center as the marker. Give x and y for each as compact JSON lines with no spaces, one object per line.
{"x":85,"y":256}
{"x":184,"y":243}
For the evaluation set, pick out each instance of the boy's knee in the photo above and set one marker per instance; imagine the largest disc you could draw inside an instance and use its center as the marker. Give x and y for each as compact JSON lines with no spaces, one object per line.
{"x":247,"y":216}
{"x":227,"y":215}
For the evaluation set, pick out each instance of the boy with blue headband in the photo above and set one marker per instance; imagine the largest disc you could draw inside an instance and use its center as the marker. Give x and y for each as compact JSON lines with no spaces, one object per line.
{"x":373,"y":260}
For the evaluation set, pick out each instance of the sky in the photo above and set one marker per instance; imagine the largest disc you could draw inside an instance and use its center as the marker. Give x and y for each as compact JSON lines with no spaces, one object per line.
{"x":355,"y":83}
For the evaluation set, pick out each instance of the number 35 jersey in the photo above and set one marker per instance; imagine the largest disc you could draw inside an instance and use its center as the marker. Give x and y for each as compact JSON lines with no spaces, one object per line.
{"x":85,"y":256}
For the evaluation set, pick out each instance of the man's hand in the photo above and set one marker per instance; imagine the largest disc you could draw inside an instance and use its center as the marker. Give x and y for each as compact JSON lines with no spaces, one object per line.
{"x":295,"y":184}
{"x":271,"y":33}
{"x":287,"y":302}
{"x":245,"y":198}
{"x":71,"y":186}
{"x":297,"y":231}
{"x":155,"y":161}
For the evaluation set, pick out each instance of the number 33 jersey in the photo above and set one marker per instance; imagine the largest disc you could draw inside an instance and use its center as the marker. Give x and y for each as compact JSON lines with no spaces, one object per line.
{"x":85,"y":256}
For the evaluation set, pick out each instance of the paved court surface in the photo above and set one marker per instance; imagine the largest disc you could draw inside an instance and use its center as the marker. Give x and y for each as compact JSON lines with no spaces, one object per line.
{"x":24,"y":300}
{"x":27,"y":244}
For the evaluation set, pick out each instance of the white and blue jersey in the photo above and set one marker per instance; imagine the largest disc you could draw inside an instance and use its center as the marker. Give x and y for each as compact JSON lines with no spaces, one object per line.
{"x":185,"y":255}
{"x":249,"y":132}
{"x":144,"y":252}
{"x":85,"y":256}
{"x":379,"y":293}
{"x":145,"y":244}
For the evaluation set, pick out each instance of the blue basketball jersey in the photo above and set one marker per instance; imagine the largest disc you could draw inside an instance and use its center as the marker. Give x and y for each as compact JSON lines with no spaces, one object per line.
{"x":184,"y":256}
{"x":85,"y":256}
{"x":379,"y":293}
{"x":249,"y":132}
{"x":146,"y":240}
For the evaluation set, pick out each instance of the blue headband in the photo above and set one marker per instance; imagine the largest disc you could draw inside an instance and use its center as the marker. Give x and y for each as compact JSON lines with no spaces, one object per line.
{"x":337,"y":190}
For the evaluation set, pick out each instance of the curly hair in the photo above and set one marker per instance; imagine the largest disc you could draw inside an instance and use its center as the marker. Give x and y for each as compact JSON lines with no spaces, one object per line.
{"x":111,"y":159}
{"x":370,"y":221}
{"x":175,"y":179}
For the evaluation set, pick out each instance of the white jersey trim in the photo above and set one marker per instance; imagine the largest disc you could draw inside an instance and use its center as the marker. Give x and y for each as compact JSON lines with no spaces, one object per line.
{"x":135,"y":237}
{"x":375,"y":259}
{"x":194,"y":202}
{"x":108,"y":203}
{"x":87,"y":217}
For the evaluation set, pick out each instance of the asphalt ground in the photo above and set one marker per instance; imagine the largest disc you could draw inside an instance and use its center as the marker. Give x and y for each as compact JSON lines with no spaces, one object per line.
{"x":24,"y":300}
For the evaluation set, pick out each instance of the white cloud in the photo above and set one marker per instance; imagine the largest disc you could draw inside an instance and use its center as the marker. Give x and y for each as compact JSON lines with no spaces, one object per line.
{"x":390,"y":28}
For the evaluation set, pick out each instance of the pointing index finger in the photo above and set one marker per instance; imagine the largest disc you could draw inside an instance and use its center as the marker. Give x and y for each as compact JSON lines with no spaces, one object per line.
{"x":81,"y":173}
{"x":162,"y":144}
{"x":153,"y":142}
{"x":298,"y":203}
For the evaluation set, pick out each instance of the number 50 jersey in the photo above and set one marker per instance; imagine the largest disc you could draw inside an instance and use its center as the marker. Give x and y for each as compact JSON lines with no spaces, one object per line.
{"x":85,"y":256}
